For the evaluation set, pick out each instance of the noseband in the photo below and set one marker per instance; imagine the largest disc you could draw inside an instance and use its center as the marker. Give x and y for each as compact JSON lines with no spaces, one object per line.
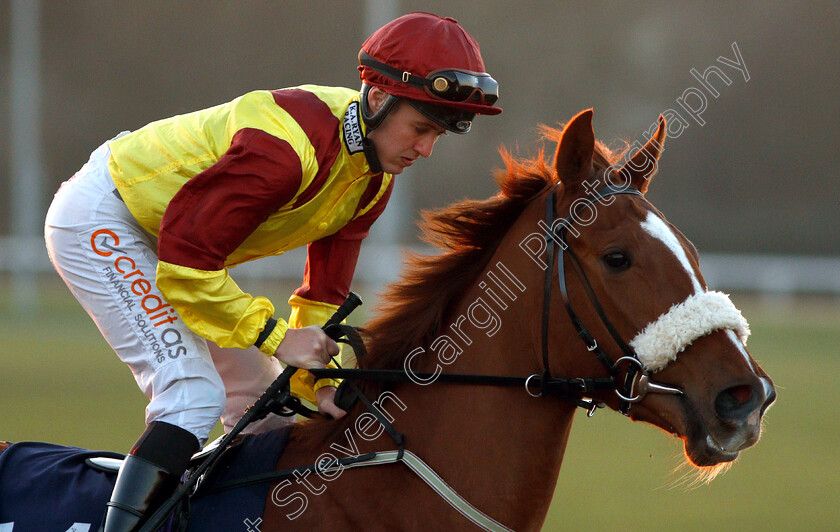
{"x":636,"y":383}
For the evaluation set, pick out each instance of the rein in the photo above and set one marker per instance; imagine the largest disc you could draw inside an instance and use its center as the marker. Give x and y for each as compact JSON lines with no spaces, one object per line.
{"x":557,"y":387}
{"x":632,"y":389}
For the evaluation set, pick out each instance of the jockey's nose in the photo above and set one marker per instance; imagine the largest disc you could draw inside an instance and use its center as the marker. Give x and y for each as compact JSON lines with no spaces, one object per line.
{"x":425,"y":145}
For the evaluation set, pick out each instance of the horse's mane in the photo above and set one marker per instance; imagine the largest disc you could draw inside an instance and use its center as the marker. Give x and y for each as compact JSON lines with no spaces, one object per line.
{"x":413,"y":309}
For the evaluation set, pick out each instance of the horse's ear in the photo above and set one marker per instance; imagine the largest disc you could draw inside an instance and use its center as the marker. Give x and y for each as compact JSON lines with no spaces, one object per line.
{"x":573,"y":160}
{"x":642,"y":166}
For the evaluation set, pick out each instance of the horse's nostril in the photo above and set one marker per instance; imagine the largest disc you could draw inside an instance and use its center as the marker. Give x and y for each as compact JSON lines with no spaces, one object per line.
{"x":735,"y":402}
{"x":742,"y":394}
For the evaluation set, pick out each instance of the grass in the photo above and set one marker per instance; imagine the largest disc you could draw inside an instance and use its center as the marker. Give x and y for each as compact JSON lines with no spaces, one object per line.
{"x":60,"y":382}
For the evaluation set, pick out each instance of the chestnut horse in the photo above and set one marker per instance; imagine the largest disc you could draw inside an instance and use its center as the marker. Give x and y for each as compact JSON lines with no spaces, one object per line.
{"x":566,"y":289}
{"x":569,"y":272}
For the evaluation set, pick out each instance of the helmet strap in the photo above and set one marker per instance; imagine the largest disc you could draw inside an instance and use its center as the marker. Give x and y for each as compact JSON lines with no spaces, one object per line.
{"x":371,"y":155}
{"x":374,"y":119}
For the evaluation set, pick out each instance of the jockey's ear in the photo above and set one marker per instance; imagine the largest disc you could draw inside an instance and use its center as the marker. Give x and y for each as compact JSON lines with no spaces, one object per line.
{"x":642,"y":166}
{"x":375,"y":98}
{"x":573,"y":160}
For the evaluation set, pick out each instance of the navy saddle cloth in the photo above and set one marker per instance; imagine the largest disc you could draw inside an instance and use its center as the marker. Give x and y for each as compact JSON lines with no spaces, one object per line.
{"x":49,"y":488}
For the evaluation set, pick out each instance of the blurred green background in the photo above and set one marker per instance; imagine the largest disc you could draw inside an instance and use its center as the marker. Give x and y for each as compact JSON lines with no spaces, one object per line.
{"x":60,"y":382}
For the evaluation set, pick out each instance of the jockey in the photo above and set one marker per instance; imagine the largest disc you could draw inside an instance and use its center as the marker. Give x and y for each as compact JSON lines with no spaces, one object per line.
{"x":145,"y":232}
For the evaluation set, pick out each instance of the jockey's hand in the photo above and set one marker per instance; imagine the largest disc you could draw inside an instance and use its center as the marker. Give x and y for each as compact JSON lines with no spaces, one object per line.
{"x":306,"y":348}
{"x":326,"y":402}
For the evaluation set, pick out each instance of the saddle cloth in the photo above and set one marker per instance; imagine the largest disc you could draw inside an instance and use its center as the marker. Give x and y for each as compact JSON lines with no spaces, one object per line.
{"x":46,"y":487}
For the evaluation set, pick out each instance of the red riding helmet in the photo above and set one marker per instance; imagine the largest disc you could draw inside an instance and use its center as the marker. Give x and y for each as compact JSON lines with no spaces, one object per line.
{"x":434,"y":64}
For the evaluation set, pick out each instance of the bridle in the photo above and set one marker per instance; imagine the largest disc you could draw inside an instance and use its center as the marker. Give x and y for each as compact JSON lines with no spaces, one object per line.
{"x":631,"y":390}
{"x":636,"y":383}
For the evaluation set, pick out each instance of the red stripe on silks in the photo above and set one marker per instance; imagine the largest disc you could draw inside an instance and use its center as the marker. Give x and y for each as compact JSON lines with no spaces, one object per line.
{"x":331,"y":261}
{"x":321,"y":128}
{"x":360,"y":227}
{"x":330,"y":264}
{"x":215,"y":211}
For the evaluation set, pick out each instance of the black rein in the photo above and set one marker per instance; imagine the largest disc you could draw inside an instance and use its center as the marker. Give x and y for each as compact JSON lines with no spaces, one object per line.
{"x":568,"y":389}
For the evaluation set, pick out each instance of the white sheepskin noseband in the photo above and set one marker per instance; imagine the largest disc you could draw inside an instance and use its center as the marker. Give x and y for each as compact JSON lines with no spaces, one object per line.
{"x":699,"y":315}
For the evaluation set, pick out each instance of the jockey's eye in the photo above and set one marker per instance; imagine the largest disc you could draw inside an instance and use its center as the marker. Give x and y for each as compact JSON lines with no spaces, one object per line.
{"x":616,"y":260}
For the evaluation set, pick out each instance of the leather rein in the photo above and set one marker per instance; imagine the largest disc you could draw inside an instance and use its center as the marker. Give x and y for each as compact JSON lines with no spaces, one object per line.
{"x":630,"y":390}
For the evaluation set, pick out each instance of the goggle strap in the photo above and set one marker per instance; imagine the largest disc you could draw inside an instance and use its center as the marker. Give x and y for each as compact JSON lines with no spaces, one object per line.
{"x":394,"y":73}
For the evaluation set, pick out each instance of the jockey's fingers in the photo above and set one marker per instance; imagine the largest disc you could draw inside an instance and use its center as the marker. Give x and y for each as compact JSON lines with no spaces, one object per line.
{"x":332,"y":348}
{"x":323,"y":359}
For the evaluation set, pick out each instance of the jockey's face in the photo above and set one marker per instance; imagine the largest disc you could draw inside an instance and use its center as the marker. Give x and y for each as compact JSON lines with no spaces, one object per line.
{"x":404,"y":135}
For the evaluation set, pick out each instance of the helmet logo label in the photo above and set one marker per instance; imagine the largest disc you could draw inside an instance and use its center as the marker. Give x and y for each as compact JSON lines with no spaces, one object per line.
{"x":353,"y":129}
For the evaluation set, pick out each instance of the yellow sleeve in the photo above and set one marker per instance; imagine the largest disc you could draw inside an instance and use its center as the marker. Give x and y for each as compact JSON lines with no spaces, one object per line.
{"x":213,"y":306}
{"x":304,"y":314}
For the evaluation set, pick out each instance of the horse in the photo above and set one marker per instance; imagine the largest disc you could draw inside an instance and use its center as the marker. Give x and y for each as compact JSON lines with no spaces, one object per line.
{"x":567,"y":289}
{"x":514,"y":291}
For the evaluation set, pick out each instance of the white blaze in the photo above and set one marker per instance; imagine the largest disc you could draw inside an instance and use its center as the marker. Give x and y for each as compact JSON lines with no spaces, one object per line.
{"x":658,"y":229}
{"x":700,"y":314}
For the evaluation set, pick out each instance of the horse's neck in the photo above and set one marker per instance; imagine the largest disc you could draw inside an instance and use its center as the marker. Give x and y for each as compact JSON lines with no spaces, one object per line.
{"x":500,"y":449}
{"x":497,"y":446}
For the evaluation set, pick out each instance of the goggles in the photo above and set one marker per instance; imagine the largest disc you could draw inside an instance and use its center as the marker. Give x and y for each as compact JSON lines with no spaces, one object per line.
{"x":462,"y":86}
{"x":456,"y":86}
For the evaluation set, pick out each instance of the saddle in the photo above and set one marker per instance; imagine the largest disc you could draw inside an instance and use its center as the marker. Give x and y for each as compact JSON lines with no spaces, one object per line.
{"x":107,"y":463}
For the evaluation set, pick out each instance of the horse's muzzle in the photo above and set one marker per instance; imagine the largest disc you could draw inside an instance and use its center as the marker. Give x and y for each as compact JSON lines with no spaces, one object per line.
{"x":738,"y":412}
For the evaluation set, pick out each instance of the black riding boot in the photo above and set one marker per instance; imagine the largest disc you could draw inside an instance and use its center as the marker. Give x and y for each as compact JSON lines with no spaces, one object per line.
{"x":148,"y":476}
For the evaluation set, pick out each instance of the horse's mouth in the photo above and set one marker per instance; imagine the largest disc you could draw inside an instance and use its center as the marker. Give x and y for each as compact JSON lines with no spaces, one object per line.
{"x":711,"y":440}
{"x":703,"y":450}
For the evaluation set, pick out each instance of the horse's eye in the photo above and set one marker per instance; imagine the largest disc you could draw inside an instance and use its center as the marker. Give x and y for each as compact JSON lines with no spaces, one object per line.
{"x":616,"y":260}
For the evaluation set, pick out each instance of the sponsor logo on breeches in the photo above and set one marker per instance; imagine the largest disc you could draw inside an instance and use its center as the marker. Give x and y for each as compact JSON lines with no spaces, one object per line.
{"x":148,"y":310}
